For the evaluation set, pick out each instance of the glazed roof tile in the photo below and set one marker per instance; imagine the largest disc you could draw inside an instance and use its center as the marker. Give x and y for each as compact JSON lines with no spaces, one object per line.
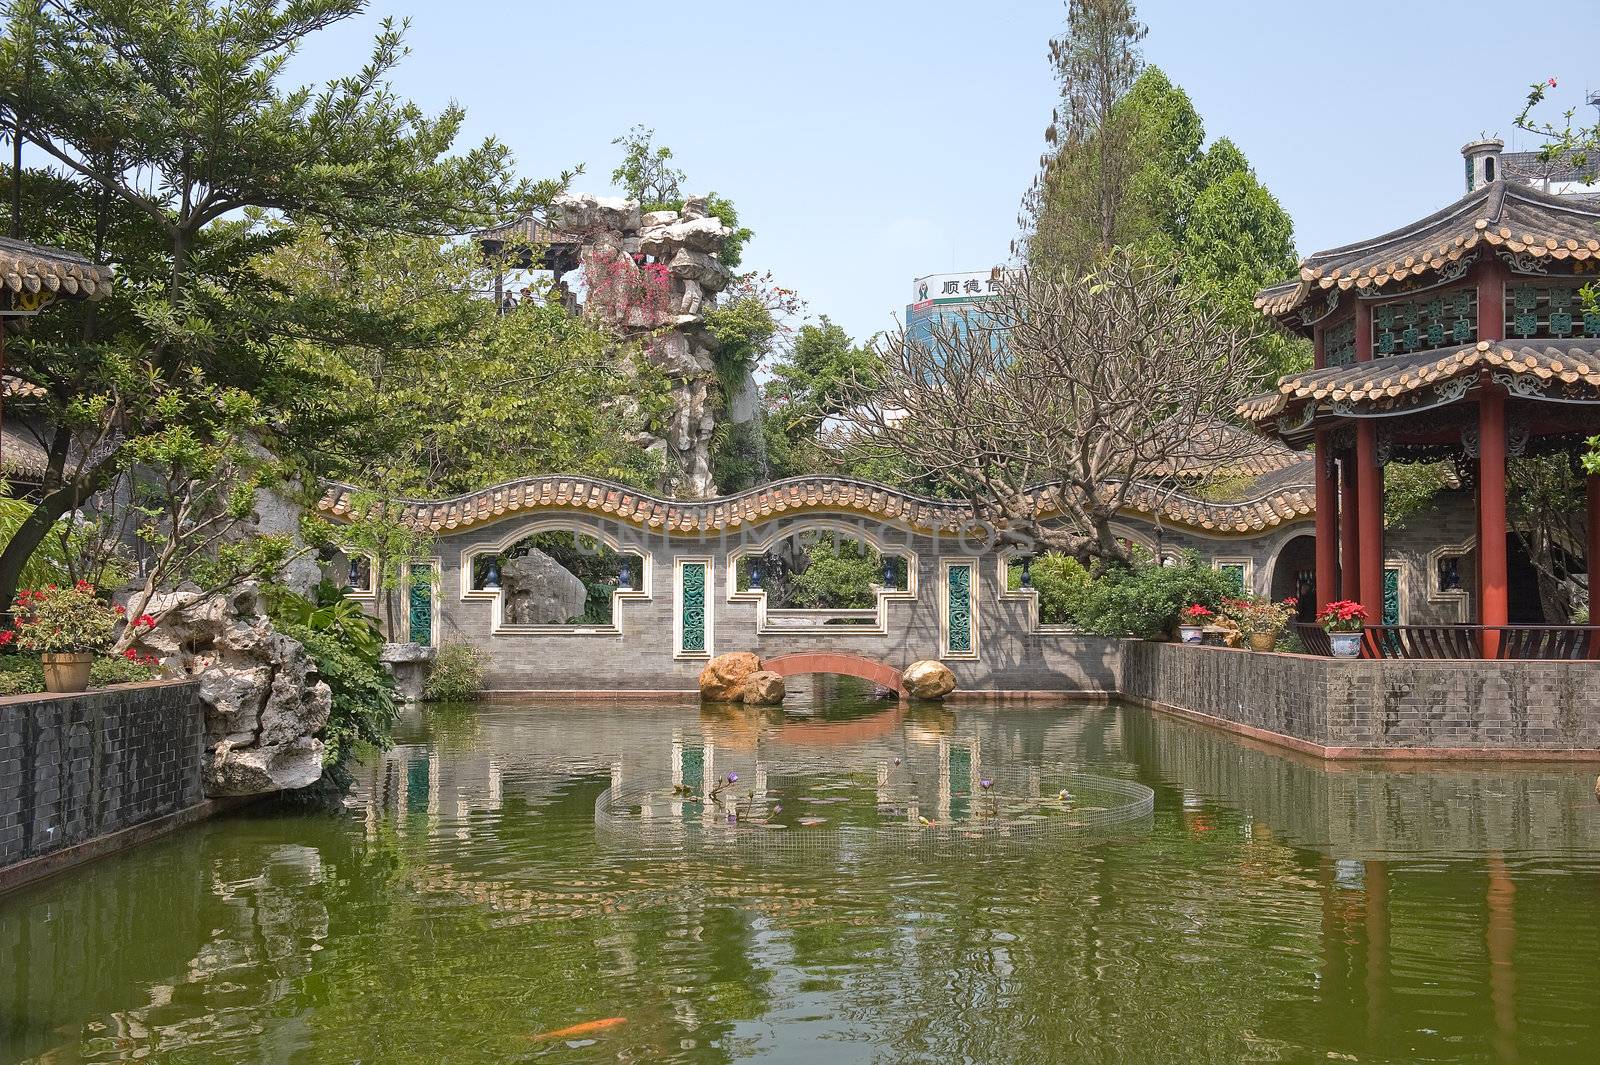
{"x":1573,"y":363}
{"x":1289,"y":497}
{"x":1513,"y":216}
{"x":30,"y":268}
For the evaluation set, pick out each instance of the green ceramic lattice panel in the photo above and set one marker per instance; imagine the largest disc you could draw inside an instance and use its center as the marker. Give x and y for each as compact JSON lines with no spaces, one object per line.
{"x":420,"y":605}
{"x":958,"y":600}
{"x":1339,"y":344}
{"x":1425,"y":323}
{"x":1548,"y":312}
{"x":692,"y":618}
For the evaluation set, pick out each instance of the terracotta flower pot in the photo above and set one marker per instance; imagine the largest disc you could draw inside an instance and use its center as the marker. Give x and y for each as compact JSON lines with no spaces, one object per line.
{"x":67,"y":671}
{"x":1263,"y":641}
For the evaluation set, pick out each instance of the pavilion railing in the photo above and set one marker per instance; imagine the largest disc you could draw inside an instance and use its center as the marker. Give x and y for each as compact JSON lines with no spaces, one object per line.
{"x":1519,"y":642}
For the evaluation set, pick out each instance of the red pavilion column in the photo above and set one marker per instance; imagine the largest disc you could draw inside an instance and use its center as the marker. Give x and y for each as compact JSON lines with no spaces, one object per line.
{"x":1492,"y":609}
{"x":1349,"y":513}
{"x":1369,"y":517}
{"x":1328,"y":523}
{"x":1592,"y":559}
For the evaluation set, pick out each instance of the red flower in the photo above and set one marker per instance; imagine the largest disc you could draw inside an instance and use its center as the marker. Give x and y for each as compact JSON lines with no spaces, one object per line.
{"x":7,"y":636}
{"x":121,"y":610}
{"x":1552,"y":83}
{"x":131,"y":655}
{"x":145,"y":621}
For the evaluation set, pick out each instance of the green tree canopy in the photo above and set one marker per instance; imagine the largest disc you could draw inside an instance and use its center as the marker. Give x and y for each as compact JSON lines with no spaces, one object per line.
{"x":171,"y":147}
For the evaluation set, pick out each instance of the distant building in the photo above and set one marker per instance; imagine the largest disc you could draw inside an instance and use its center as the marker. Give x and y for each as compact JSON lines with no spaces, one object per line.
{"x":949,"y":298}
{"x":1564,"y":175}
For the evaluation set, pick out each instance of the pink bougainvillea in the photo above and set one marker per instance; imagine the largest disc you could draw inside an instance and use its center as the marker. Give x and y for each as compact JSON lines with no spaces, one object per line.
{"x":625,"y":290}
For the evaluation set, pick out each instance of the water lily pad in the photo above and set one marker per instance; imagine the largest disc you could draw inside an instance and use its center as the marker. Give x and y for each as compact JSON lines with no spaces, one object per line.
{"x":808,"y":822}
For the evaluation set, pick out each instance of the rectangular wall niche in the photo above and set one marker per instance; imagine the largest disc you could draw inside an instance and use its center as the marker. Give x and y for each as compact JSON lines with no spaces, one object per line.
{"x":419,"y":606}
{"x":692,"y":616}
{"x":958,"y":620}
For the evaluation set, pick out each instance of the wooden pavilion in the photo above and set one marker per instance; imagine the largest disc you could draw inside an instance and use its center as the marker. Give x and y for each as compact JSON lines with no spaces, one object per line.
{"x":1461,"y":337}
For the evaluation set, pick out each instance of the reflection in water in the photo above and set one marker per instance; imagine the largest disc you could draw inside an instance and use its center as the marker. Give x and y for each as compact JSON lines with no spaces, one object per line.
{"x":1274,"y":910}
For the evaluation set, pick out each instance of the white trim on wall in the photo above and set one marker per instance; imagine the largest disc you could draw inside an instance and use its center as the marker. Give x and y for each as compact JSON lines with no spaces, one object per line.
{"x":496,"y":596}
{"x":974,"y":569}
{"x":1460,"y":598}
{"x":678,"y":650}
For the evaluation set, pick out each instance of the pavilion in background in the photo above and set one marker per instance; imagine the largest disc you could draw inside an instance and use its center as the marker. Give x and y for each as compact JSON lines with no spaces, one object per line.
{"x":1461,"y":337}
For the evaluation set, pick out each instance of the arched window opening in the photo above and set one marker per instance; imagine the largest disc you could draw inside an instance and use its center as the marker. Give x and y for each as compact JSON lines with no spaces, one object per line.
{"x":558,"y":577}
{"x":821,"y":577}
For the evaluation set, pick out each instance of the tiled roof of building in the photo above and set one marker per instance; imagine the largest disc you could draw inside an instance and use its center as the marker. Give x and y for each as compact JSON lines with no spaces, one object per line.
{"x":1532,"y":168}
{"x":22,"y":456}
{"x":17,"y":388}
{"x":1573,"y":365}
{"x":28,"y":268}
{"x":1289,"y":499}
{"x":1501,"y":214}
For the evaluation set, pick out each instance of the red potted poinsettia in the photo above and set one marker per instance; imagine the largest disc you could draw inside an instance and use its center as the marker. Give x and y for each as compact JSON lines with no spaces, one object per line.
{"x":1344,"y":621}
{"x":66,"y":628}
{"x":1192,"y":622}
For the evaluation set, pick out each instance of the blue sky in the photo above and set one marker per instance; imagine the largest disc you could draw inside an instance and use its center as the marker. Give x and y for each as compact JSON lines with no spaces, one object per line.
{"x":869,"y":142}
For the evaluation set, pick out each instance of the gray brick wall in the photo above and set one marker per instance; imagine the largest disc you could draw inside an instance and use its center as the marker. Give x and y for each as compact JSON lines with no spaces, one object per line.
{"x":76,"y":767}
{"x":1529,"y":706}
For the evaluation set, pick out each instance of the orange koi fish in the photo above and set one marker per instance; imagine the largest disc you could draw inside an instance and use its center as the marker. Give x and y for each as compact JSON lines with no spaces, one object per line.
{"x":586,"y":1028}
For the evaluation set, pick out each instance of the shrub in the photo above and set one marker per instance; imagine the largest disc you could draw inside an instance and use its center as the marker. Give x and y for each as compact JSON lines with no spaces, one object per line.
{"x":457,"y":673}
{"x":1143,"y":600}
{"x":130,"y":667}
{"x":344,"y":642}
{"x":364,"y":707}
{"x":20,"y":675}
{"x":1061,"y":582}
{"x":55,"y":620}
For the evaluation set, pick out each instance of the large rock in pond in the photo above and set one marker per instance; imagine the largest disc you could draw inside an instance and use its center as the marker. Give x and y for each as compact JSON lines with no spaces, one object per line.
{"x":762,"y":688}
{"x":264,"y":702}
{"x":722,"y":681}
{"x":928,"y":679}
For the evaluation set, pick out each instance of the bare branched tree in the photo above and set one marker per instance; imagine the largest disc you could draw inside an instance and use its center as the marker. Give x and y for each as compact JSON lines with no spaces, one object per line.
{"x":1066,"y":401}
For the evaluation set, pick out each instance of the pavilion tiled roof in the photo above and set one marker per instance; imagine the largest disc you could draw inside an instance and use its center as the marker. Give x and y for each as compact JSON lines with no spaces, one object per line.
{"x":1574,"y":364}
{"x":28,"y":268}
{"x":1507,"y":215}
{"x":1290,"y":498}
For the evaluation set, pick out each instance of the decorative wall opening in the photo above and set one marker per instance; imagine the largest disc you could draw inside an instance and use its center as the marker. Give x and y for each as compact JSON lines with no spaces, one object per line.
{"x":1294,"y":573}
{"x":831,"y":577}
{"x":558,"y":579}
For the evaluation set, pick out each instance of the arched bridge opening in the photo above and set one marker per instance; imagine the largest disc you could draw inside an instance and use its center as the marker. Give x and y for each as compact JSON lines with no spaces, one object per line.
{"x":839,"y":663}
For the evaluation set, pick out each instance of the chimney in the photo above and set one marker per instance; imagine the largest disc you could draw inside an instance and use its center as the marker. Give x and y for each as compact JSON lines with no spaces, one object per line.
{"x":1483,"y":161}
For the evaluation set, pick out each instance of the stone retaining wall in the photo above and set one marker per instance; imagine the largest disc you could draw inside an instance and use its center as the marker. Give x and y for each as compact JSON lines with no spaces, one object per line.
{"x":1354,"y":708}
{"x":77,"y":768}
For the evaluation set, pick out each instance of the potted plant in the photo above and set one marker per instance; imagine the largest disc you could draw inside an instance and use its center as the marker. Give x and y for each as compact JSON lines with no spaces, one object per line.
{"x":1192,"y":622}
{"x":66,"y":628}
{"x":1259,"y":619}
{"x":1343,"y":621}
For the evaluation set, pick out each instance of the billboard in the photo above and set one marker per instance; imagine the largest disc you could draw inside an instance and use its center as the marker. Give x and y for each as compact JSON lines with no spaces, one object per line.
{"x":963,"y":286}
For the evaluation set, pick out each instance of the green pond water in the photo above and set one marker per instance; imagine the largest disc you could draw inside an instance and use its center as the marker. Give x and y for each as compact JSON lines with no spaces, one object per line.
{"x":468,"y":902}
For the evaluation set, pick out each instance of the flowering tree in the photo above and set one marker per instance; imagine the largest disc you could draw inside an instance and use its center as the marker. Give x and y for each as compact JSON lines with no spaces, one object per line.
{"x":625,"y":291}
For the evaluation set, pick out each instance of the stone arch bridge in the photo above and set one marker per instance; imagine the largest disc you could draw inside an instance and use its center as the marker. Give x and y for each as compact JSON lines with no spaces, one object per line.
{"x":686,"y":602}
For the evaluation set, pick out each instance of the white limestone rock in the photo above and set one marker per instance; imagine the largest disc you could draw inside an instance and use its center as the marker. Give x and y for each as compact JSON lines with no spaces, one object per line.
{"x":700,"y":234}
{"x":264,"y":702}
{"x":587,"y":213}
